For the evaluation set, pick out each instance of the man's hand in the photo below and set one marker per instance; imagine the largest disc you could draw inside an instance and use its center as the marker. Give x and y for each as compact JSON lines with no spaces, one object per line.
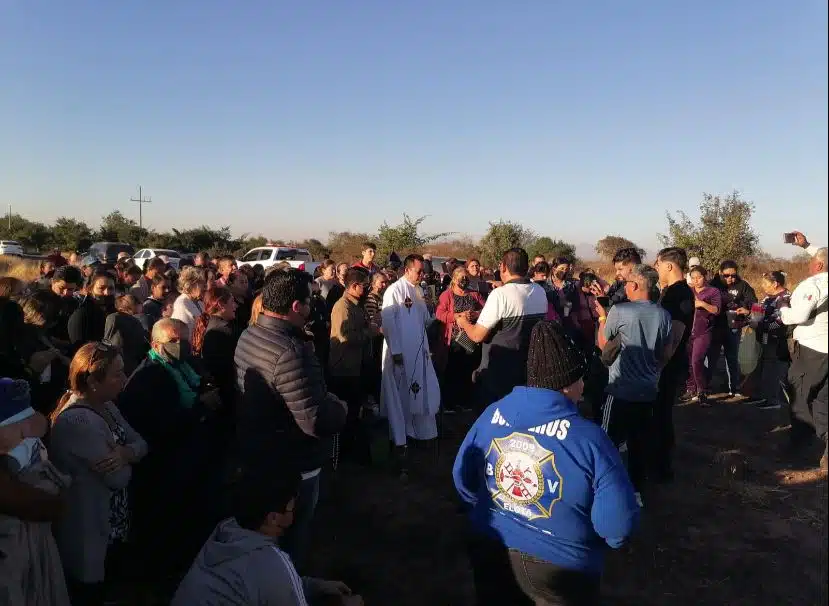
{"x":462,"y":320}
{"x":743,"y":311}
{"x":332,"y":588}
{"x":699,"y":304}
{"x":800,"y":240}
{"x":596,"y":289}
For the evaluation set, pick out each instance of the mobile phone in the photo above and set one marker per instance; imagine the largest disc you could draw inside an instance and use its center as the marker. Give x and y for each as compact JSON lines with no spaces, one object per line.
{"x":604,"y":301}
{"x":789,"y":238}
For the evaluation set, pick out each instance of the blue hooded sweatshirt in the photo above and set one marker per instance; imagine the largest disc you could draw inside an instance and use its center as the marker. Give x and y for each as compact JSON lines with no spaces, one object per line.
{"x":544,"y":480}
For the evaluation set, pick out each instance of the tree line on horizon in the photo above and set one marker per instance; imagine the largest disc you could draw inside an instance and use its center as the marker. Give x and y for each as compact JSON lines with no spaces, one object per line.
{"x":723,"y":230}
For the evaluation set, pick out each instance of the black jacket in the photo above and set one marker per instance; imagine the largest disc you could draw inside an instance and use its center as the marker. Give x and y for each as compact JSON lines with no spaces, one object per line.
{"x":740,"y":294}
{"x":128,"y":334}
{"x":153,"y":310}
{"x":87,"y":323}
{"x":285,"y":412}
{"x":170,"y":485}
{"x":217,"y":353}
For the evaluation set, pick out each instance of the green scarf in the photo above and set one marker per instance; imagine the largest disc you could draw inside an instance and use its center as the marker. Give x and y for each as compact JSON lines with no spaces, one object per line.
{"x":185,"y":377}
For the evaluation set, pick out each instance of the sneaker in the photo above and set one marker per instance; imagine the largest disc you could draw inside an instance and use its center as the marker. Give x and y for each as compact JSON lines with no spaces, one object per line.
{"x":639,"y":500}
{"x":450,"y":411}
{"x":703,"y":401}
{"x":623,"y":447}
{"x":764,"y":404}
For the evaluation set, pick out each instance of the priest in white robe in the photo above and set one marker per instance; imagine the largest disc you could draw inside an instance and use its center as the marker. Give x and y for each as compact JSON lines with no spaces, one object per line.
{"x":409,"y":392}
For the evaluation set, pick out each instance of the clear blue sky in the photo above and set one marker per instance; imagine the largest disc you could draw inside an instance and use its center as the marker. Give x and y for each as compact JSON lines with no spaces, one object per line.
{"x":292,"y":119}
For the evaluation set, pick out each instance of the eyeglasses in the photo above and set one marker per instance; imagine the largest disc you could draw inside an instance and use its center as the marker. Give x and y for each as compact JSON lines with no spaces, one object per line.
{"x":731,"y":276}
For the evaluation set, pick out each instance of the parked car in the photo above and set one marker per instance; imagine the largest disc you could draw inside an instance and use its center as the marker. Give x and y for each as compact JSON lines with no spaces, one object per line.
{"x":143,"y":256}
{"x":108,"y":251}
{"x":267,"y":256}
{"x":10,"y":247}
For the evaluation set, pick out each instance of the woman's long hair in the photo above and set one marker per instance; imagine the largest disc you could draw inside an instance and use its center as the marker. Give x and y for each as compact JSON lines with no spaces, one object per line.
{"x":255,"y":310}
{"x":92,"y":360}
{"x":214,"y":301}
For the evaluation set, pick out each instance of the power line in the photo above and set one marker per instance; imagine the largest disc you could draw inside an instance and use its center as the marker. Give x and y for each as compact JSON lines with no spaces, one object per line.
{"x":141,"y":202}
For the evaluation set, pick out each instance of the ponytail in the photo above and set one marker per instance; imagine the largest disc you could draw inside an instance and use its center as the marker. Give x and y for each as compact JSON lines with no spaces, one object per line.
{"x":199,"y":330}
{"x":62,"y":402}
{"x":214,"y":300}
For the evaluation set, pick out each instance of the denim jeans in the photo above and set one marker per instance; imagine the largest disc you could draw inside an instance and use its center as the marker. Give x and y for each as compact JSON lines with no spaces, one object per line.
{"x":295,"y":541}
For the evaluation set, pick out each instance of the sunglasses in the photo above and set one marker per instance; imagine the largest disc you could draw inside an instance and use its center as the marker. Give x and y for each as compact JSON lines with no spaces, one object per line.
{"x":727,"y":276}
{"x":102,"y":347}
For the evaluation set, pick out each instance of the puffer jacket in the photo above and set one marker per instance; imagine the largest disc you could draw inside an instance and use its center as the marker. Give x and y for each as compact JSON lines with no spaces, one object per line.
{"x":286,"y":412}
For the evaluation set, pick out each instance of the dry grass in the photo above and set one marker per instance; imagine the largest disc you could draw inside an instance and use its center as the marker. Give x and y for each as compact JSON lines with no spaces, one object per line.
{"x":23,"y":269}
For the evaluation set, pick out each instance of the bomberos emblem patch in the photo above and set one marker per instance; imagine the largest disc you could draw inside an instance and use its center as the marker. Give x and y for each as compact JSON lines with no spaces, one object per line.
{"x":522,"y":477}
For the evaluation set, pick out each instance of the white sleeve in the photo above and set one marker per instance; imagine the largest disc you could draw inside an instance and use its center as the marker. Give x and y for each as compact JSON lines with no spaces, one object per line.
{"x":492,"y":312}
{"x":803,"y":301}
{"x":388,"y":313}
{"x":812,"y":250}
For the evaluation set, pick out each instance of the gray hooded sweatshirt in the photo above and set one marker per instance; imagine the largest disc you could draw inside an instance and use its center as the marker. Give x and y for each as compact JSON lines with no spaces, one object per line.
{"x":240,"y":567}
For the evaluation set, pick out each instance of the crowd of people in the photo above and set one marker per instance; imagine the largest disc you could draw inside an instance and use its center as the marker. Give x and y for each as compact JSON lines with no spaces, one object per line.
{"x":155,"y":421}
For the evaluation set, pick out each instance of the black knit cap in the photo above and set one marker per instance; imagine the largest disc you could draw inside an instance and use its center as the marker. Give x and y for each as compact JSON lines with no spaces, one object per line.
{"x":554,"y":361}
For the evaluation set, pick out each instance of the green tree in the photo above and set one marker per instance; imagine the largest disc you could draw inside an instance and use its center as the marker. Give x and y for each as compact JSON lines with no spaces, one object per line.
{"x":404,"y":238}
{"x":722,"y":232}
{"x":215,"y":241}
{"x":551,"y":249}
{"x":115,"y":227}
{"x":610,"y":245}
{"x":317,"y":249}
{"x":246,"y":243}
{"x":71,"y":235}
{"x":500,"y":237}
{"x":346,"y":246}
{"x":32,"y":235}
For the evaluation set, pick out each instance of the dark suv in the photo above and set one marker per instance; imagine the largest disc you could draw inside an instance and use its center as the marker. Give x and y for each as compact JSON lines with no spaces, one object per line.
{"x":108,"y":251}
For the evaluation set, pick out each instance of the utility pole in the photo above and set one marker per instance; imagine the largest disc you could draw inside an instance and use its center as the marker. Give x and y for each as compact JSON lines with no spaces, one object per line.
{"x":141,"y":202}
{"x":10,"y":219}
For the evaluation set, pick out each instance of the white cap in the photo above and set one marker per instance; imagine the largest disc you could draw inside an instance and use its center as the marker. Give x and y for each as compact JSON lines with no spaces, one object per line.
{"x":693,"y":261}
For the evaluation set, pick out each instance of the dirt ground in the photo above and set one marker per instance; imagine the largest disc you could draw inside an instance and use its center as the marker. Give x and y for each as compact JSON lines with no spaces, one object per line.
{"x":739,"y":526}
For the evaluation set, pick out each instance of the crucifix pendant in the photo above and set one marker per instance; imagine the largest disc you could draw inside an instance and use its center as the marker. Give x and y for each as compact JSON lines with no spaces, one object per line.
{"x":415,"y":388}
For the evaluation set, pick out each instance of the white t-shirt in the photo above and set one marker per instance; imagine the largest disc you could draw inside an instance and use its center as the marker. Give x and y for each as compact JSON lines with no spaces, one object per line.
{"x":509,"y":314}
{"x":187,"y":310}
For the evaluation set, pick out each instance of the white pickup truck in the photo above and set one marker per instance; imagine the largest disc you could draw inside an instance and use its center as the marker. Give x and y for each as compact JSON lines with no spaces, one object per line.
{"x":266,"y":256}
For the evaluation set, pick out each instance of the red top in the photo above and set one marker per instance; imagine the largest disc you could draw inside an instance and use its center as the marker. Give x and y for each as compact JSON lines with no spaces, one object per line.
{"x":445,"y":311}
